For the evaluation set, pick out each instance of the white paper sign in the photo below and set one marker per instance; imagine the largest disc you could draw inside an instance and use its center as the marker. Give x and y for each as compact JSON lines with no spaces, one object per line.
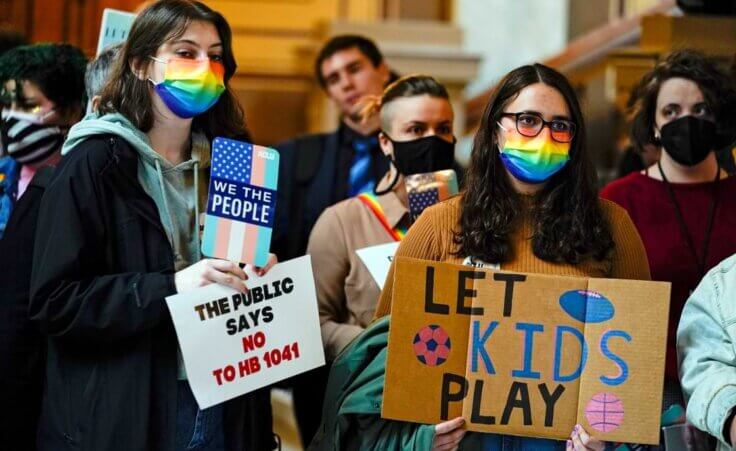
{"x":235,"y":343}
{"x":115,"y":27}
{"x":378,"y":260}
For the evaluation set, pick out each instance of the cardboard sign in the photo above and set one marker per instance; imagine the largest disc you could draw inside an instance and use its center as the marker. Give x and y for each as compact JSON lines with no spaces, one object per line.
{"x":526,"y":354}
{"x":115,"y":27}
{"x":425,"y":190}
{"x":242,"y":202}
{"x":235,"y":343}
{"x":378,"y":260}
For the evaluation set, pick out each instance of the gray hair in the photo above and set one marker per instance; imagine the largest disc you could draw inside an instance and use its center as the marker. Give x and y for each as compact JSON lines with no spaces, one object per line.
{"x":98,"y":69}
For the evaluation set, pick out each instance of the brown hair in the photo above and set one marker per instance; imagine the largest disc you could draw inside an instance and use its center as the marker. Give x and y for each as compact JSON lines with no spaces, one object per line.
{"x":159,"y":23}
{"x":407,"y":86}
{"x":717,"y":87}
{"x":569,"y":225}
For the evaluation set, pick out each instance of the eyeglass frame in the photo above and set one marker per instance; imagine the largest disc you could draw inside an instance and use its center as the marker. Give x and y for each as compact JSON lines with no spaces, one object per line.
{"x":573,"y":127}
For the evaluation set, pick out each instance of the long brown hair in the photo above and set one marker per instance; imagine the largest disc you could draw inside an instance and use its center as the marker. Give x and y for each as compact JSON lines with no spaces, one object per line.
{"x":159,"y":23}
{"x":568,"y":222}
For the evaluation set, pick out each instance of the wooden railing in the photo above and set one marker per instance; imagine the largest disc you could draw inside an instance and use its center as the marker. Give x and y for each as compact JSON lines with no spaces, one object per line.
{"x":580,"y":53}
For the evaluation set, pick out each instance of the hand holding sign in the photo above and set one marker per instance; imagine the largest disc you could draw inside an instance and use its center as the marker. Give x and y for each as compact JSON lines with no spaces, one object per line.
{"x":234,"y":342}
{"x":208,"y":271}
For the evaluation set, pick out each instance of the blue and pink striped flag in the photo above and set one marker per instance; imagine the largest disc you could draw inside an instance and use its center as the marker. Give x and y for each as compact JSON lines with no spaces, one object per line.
{"x":241,"y":203}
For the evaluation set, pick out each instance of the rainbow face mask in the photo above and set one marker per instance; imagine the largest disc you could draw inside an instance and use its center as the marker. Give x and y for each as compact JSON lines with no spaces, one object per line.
{"x":190,"y":87}
{"x":533,"y":160}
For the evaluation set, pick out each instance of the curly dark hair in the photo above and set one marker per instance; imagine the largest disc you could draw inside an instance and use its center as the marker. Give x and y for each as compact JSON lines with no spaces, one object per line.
{"x":569,"y":225}
{"x":717,"y":87}
{"x":163,"y":21}
{"x":57,"y":70}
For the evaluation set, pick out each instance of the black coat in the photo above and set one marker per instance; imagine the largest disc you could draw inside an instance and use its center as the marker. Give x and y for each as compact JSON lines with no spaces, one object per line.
{"x":22,"y":355}
{"x":102,"y":268}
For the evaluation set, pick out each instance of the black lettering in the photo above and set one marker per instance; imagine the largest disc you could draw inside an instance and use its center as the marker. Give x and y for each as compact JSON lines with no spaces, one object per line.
{"x":243,"y":323}
{"x":223,"y":305}
{"x":237,"y":299}
{"x":447,"y":396}
{"x":267,"y":314}
{"x":476,"y":416}
{"x":254,"y":316}
{"x":429,"y":305}
{"x":508,"y":297}
{"x":212,"y":309}
{"x":257,"y":294}
{"x":268,"y":294}
{"x":277,"y":287}
{"x":518,"y":398}
{"x":287,"y":285}
{"x":231,"y":326}
{"x":200,"y":309}
{"x":549,"y":401}
{"x":464,"y":292}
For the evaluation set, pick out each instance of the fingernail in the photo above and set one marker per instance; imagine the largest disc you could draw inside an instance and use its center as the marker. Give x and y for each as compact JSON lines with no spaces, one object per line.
{"x":577,"y":427}
{"x":568,"y":445}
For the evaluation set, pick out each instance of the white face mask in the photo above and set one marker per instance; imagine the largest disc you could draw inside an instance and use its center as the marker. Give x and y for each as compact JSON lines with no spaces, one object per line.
{"x":33,"y":118}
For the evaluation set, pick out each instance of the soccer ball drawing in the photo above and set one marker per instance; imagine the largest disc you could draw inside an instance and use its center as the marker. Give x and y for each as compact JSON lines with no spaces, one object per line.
{"x":432,"y":345}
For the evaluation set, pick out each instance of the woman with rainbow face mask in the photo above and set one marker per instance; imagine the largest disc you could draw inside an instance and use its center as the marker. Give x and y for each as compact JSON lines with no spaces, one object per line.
{"x":118,"y":232}
{"x":531,"y":205}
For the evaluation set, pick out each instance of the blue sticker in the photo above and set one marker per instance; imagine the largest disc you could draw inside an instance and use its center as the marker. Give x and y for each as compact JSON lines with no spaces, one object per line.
{"x":587,"y":306}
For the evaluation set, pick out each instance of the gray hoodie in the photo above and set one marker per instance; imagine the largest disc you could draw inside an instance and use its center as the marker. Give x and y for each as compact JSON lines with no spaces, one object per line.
{"x":172,"y":188}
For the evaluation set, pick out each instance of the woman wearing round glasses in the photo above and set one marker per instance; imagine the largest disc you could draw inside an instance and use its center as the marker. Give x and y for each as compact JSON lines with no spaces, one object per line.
{"x":530,"y":205}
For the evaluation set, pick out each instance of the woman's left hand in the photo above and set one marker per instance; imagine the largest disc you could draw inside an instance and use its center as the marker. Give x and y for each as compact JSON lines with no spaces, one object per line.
{"x":582,"y":441}
{"x":261,"y":271}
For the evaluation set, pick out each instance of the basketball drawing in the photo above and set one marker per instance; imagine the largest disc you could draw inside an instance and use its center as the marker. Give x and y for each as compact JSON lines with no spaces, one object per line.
{"x":432,"y":345}
{"x":604,"y":412}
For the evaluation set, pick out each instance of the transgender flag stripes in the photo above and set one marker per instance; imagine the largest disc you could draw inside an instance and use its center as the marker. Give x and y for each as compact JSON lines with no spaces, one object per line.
{"x":242,"y":200}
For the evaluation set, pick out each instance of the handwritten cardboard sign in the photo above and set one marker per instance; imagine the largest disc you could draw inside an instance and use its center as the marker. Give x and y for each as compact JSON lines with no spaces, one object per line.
{"x":526,"y":354}
{"x":241,"y":203}
{"x":114,"y":29}
{"x":235,"y":343}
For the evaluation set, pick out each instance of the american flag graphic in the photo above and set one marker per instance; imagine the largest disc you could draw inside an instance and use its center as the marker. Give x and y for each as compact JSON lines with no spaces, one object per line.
{"x":427,"y":189}
{"x":229,"y":232}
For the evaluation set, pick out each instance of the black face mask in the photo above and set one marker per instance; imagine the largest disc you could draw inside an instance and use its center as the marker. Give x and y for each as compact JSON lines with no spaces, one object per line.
{"x":688,"y":140}
{"x":419,"y":156}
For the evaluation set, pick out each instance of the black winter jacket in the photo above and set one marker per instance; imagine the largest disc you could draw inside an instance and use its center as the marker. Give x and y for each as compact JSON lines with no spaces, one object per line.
{"x":102,"y":268}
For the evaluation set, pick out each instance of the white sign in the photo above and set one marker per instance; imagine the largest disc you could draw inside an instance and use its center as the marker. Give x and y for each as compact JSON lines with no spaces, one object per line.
{"x":378,"y":260}
{"x":115,"y":27}
{"x":235,"y":343}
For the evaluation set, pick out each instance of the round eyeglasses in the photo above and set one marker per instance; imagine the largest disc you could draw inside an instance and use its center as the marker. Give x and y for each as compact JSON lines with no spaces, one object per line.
{"x":530,"y":124}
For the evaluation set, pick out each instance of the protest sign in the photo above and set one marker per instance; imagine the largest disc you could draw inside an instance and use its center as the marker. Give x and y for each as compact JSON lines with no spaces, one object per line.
{"x":114,"y":29}
{"x":526,"y":354}
{"x":235,"y":343}
{"x":378,"y":260}
{"x":241,"y":203}
{"x":427,"y":189}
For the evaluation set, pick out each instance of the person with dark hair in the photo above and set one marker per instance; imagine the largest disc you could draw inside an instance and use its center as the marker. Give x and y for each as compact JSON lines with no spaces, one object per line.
{"x":530,"y":204}
{"x":684,"y":205}
{"x":118,"y":232}
{"x":319,"y":170}
{"x":44,"y":95}
{"x":416,"y":134}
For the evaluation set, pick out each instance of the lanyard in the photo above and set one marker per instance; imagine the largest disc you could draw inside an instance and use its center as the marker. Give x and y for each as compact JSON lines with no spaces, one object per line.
{"x":371,"y":202}
{"x":700,"y":263}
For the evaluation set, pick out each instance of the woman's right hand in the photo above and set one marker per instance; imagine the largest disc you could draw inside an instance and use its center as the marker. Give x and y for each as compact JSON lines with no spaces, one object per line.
{"x":447,"y":435}
{"x":211,"y":270}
